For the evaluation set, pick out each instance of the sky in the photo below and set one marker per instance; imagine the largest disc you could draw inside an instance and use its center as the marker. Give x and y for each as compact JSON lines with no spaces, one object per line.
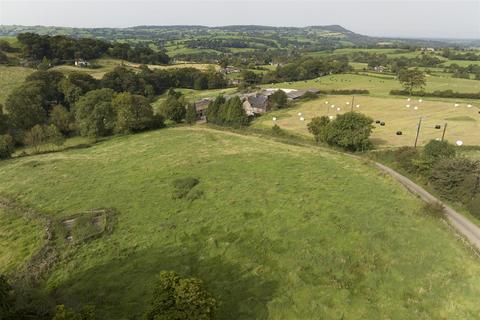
{"x":407,"y":18}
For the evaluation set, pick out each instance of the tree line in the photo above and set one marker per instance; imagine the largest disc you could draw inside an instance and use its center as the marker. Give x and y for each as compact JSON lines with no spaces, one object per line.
{"x":61,"y":49}
{"x":49,"y":104}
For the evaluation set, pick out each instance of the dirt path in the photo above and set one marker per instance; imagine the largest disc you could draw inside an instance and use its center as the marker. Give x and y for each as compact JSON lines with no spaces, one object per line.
{"x":463,"y":226}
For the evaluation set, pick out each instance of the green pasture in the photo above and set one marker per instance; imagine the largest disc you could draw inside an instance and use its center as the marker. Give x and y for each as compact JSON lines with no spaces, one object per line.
{"x":11,"y":77}
{"x":278,"y":232}
{"x":378,"y":84}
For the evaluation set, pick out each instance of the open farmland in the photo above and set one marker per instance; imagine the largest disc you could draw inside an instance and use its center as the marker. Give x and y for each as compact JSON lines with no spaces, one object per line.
{"x":263,"y":234}
{"x":378,"y":84}
{"x":463,"y":122}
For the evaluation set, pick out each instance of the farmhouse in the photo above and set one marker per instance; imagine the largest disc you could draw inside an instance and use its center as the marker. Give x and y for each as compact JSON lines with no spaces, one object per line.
{"x":379,"y":68}
{"x":201,"y":107}
{"x":256,"y":103}
{"x":228,"y":70}
{"x":81,"y":63}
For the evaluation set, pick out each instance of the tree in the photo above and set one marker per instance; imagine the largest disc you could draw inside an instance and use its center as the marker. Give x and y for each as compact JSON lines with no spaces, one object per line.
{"x":213,"y":109}
{"x":53,"y":135}
{"x":61,"y":118}
{"x":317,"y":127}
{"x":6,"y":301}
{"x":233,"y":113}
{"x":63,"y":313}
{"x":456,"y":178}
{"x":350,"y":131}
{"x":7,"y":146}
{"x":250,"y":78}
{"x":35,"y":137}
{"x":436,"y":150}
{"x":411,"y":79}
{"x":173,"y":107}
{"x":94,"y":113}
{"x":134,"y":112}
{"x":26,"y":106}
{"x":177,"y":298}
{"x":75,"y":85}
{"x":4,"y":125}
{"x":191,"y":115}
{"x":278,"y":100}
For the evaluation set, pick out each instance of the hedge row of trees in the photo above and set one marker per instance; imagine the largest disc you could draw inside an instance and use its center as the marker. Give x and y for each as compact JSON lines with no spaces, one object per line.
{"x":59,"y":49}
{"x":455,"y":178}
{"x":227,"y":112}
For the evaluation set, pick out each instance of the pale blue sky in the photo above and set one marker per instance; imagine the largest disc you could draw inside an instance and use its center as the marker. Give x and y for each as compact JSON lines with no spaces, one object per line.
{"x":408,"y":18}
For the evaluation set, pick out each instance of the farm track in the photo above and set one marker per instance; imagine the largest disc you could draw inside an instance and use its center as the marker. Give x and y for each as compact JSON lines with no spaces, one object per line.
{"x":461,"y":224}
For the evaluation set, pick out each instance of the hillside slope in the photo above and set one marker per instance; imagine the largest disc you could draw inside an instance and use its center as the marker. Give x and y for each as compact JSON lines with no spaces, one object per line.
{"x":280,"y":231}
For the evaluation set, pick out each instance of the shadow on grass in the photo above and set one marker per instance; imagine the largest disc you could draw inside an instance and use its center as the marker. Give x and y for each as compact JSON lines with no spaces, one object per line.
{"x":121,"y":288}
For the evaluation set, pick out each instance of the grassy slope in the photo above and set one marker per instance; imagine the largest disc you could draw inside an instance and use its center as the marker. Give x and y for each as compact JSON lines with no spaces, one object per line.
{"x":282,"y":231}
{"x":19,"y":239}
{"x":463,"y":122}
{"x":10,"y":77}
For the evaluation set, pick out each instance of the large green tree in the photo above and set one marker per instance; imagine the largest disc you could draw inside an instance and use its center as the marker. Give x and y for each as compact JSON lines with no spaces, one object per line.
{"x":26,"y":106}
{"x":173,"y":108}
{"x":412,"y":79}
{"x":191,"y":115}
{"x":94,"y":113}
{"x":134,"y":112}
{"x":350,"y":131}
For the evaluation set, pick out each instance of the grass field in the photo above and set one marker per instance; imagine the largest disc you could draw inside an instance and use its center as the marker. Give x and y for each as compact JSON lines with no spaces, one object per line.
{"x":11,"y":77}
{"x":463,"y":122}
{"x":19,"y":239}
{"x":281,"y":231}
{"x":378,"y":84}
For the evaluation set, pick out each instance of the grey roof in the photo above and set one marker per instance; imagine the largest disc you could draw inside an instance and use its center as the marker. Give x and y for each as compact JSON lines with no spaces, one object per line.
{"x":258,"y":100}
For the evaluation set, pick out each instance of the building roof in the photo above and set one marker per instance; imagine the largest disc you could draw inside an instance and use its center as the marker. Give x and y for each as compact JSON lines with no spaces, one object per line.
{"x":202,"y":104}
{"x":258,"y":100}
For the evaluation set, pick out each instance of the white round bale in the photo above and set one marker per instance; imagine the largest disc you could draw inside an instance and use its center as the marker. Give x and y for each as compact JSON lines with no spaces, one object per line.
{"x":459,"y":143}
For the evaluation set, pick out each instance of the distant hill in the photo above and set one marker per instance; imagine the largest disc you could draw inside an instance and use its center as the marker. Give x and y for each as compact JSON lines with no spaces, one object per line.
{"x":331,"y":36}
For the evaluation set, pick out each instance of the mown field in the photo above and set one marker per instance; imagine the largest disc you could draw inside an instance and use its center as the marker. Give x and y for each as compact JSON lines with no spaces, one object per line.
{"x":280,"y":231}
{"x":378,"y":84}
{"x":463,"y":122}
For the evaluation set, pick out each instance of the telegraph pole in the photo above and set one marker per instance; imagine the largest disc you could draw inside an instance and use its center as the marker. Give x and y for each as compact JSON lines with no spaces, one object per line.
{"x":418,"y":131}
{"x":444,"y":129}
{"x":353,"y":99}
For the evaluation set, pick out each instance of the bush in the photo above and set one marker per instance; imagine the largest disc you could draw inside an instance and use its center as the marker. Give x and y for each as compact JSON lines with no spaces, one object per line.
{"x":434,"y":209}
{"x":177,"y":298}
{"x":7,"y":146}
{"x":344,"y":91}
{"x":474,"y":206}
{"x":404,"y":156}
{"x":437,"y":150}
{"x":183,"y":186}
{"x":451,"y":176}
{"x":350,"y":131}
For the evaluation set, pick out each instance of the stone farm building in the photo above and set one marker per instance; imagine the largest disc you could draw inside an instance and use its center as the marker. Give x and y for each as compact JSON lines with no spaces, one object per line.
{"x":255,"y":103}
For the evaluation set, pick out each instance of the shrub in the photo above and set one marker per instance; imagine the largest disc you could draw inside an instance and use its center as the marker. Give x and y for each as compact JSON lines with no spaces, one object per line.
{"x":350,"y":131}
{"x":177,"y":298}
{"x":404,"y":156}
{"x":183,"y":186}
{"x":7,"y":146}
{"x":318,"y":127}
{"x":434,"y":209}
{"x":451,"y":176}
{"x":474,"y":206}
{"x":436,"y":150}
